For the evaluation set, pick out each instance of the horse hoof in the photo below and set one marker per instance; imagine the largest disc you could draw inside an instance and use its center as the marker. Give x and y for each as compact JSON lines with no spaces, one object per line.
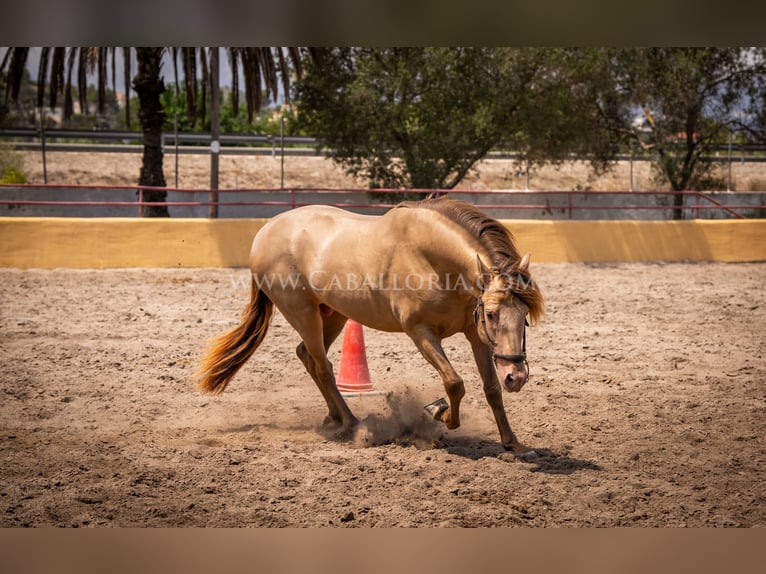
{"x":345,"y":433}
{"x":522,"y":452}
{"x":528,"y":456}
{"x":331,"y":423}
{"x":437,"y":407}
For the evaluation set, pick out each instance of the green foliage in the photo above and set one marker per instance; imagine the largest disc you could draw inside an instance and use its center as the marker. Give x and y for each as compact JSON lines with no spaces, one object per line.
{"x":423,"y":117}
{"x":267,"y":121}
{"x":390,"y":115}
{"x":690,"y":99}
{"x":12,"y":175}
{"x":11,"y":165}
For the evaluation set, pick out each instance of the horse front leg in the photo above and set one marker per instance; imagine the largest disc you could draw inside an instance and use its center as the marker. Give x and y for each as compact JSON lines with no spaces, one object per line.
{"x":430,"y":347}
{"x":494,"y":393}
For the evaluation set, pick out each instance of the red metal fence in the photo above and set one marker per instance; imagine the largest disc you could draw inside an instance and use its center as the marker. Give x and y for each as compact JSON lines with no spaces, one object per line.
{"x":562,"y":201}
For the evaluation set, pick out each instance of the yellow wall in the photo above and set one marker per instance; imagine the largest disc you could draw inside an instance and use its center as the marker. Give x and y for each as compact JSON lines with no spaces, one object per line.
{"x":39,"y":242}
{"x":603,"y":241}
{"x":125,"y":242}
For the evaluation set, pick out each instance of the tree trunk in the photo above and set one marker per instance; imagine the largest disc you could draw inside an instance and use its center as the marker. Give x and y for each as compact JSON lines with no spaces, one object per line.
{"x":149,"y":87}
{"x":678,"y":205}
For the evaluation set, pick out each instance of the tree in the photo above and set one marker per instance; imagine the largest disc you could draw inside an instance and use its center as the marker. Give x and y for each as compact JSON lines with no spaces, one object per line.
{"x":559,"y":121}
{"x":686,"y":99}
{"x":261,"y":67}
{"x":149,"y":87}
{"x":422,"y":117}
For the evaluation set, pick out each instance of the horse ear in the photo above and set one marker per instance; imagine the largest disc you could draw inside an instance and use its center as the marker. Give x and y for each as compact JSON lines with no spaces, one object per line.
{"x":524,"y":263}
{"x":484,"y":272}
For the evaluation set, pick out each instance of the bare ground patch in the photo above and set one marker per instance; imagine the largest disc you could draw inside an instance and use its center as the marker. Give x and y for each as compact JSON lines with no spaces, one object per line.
{"x":238,"y":172}
{"x":647,"y":402}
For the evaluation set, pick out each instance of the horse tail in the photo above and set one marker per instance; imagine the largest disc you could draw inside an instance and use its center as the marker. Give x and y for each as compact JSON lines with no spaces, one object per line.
{"x":230,"y":350}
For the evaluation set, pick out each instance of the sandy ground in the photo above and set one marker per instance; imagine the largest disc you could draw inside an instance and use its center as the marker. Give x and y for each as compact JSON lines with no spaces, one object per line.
{"x":646,"y":401}
{"x":238,"y":172}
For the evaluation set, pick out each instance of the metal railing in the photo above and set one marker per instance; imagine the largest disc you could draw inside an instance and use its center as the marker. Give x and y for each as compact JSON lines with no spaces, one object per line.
{"x":567,"y":204}
{"x":194,"y":142}
{"x":136,"y":137}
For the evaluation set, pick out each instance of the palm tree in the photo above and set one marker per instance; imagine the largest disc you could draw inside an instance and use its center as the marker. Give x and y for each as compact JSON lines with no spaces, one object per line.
{"x":262,"y":67}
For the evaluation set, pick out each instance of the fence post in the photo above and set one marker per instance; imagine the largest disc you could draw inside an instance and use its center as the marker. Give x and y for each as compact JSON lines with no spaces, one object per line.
{"x":42,"y":143}
{"x":728,"y":185}
{"x":176,"y":96}
{"x":215,"y":132}
{"x":526,"y":161}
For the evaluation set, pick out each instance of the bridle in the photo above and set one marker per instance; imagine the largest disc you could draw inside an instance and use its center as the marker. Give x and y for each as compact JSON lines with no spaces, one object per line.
{"x":478,"y":314}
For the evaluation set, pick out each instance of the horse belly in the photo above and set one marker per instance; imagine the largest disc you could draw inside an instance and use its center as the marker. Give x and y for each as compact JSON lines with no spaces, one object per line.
{"x":373,"y":310}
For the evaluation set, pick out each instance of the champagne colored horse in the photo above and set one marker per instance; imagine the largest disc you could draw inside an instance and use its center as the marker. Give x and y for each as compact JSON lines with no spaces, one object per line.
{"x":430,"y":269}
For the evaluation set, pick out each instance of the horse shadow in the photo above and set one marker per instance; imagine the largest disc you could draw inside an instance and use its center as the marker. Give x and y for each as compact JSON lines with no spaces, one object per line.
{"x":379,"y":430}
{"x":546,"y":461}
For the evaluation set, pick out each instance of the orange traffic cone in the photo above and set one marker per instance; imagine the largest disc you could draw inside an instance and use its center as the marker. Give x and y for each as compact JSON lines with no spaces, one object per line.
{"x":353,"y":373}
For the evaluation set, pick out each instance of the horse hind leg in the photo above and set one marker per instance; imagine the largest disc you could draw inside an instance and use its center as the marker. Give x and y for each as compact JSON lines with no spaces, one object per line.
{"x":320,"y":370}
{"x":333,"y":418}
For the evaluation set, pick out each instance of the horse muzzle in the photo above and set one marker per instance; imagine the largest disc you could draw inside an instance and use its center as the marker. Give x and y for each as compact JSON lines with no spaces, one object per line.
{"x":513,"y":372}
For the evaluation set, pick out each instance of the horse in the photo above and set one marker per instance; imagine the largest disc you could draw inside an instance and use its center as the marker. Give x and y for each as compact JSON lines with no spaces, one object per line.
{"x":431,"y":269}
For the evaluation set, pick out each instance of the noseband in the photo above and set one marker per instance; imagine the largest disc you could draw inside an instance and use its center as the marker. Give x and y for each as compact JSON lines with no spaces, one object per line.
{"x":479,"y":313}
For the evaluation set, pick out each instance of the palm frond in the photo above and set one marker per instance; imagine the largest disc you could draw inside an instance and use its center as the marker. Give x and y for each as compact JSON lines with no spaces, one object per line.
{"x":296,"y":61}
{"x":252,"y":76}
{"x":269,"y":71}
{"x":102,"y":58}
{"x":6,"y":59}
{"x":42,"y":76}
{"x":234,"y":65}
{"x":205,"y":84}
{"x":57,"y":75}
{"x":114,"y":69}
{"x":18,"y":62}
{"x":68,"y":103}
{"x":64,"y":70}
{"x":82,"y":79}
{"x":189,"y":58}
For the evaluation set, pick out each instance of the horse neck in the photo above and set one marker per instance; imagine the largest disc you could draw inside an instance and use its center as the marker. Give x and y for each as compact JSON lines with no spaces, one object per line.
{"x":455,"y":250}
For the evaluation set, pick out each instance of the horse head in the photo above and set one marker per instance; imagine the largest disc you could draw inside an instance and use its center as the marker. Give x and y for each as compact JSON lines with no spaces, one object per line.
{"x":501,"y":320}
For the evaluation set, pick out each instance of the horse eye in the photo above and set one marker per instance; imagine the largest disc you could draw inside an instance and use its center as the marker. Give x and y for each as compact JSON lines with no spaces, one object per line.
{"x":491,"y":315}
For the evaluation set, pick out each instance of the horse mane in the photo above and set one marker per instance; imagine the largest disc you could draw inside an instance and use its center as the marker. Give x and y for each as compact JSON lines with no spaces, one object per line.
{"x":496,"y":239}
